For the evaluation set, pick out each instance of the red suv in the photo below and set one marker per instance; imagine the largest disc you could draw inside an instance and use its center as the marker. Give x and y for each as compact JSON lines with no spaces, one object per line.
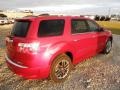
{"x":48,"y":46}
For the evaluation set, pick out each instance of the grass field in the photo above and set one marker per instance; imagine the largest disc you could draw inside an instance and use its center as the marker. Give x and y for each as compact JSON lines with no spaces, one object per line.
{"x":114,"y":26}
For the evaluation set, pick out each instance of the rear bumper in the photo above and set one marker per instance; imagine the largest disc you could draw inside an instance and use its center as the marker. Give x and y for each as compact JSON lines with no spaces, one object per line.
{"x":27,"y":72}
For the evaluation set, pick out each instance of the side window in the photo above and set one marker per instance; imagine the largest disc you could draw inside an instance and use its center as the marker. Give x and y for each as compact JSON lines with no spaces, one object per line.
{"x":93,"y":26}
{"x":79,"y":26}
{"x":51,"y":28}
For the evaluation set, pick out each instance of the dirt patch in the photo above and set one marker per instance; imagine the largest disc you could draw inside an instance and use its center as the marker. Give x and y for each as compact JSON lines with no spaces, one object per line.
{"x":101,"y":72}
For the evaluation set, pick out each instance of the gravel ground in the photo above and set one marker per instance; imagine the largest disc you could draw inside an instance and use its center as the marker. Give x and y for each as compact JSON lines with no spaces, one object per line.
{"x":101,"y":72}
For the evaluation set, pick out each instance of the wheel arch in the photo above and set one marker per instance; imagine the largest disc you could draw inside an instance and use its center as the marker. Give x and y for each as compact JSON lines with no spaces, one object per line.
{"x":68,"y":53}
{"x":111,"y":38}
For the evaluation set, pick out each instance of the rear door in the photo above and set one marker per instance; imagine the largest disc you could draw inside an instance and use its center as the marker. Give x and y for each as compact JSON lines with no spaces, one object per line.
{"x":82,"y":39}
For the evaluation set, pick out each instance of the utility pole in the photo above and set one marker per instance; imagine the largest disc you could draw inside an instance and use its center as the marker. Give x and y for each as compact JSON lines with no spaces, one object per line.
{"x":109,"y":12}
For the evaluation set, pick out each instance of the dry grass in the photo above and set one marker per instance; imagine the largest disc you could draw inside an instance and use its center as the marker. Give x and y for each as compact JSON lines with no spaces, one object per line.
{"x":114,"y":26}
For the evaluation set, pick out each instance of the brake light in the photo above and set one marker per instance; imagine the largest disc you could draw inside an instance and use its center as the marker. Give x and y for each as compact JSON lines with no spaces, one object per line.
{"x":29,"y":47}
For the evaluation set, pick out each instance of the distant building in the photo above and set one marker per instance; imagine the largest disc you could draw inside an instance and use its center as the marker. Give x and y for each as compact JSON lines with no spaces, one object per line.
{"x":90,"y":16}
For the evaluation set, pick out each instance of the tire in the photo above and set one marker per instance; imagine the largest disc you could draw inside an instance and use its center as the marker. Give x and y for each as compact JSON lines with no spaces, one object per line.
{"x":61,"y":68}
{"x":108,"y":47}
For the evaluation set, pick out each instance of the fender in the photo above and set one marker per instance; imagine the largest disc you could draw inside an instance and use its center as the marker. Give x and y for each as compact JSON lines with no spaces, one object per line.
{"x":109,"y":35}
{"x":59,"y":48}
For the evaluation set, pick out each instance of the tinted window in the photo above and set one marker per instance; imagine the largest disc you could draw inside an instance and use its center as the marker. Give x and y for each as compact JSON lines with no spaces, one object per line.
{"x":20,"y":28}
{"x":92,"y":26}
{"x":51,"y":28}
{"x":79,"y":26}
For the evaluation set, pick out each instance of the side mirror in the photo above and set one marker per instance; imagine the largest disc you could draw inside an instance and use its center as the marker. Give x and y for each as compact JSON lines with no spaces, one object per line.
{"x":101,"y":29}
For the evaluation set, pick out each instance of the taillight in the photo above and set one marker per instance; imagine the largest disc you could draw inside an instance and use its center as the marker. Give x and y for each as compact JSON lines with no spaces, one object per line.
{"x":29,"y":47}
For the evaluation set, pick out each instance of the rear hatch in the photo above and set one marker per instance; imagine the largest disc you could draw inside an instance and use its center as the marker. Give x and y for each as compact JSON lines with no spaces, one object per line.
{"x":17,"y":36}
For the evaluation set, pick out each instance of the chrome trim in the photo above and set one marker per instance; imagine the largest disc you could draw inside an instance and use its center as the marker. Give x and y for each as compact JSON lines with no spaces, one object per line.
{"x":83,"y":33}
{"x":11,"y":62}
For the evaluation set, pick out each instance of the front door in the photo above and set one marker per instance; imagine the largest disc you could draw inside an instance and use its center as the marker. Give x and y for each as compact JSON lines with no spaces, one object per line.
{"x":82,"y":39}
{"x":98,"y":36}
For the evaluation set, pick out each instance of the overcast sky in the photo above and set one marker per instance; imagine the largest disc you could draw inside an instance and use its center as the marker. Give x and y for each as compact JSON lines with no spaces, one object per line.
{"x":64,"y":6}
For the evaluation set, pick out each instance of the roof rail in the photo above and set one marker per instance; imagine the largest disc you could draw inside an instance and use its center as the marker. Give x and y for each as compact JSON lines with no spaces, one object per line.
{"x":29,"y":16}
{"x":44,"y":14}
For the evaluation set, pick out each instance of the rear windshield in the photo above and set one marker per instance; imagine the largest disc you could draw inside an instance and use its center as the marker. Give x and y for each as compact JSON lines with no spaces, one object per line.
{"x":20,"y":28}
{"x":51,"y":28}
